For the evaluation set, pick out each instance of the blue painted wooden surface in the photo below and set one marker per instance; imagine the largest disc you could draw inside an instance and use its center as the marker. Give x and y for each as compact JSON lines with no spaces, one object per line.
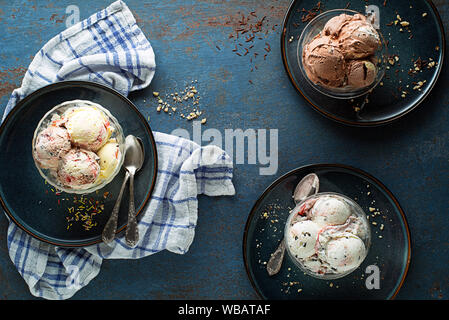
{"x":410,"y":157}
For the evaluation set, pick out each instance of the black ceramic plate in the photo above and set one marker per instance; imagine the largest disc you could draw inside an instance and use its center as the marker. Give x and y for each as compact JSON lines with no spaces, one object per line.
{"x":390,"y":243}
{"x":66,"y":219}
{"x":386,"y":103}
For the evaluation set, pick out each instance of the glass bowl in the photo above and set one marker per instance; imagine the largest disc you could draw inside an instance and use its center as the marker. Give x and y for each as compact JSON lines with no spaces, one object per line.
{"x":313,"y":28}
{"x":356,"y":210}
{"x":117,"y":134}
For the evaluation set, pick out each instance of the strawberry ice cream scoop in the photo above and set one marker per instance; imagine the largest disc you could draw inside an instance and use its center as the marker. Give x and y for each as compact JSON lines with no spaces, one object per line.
{"x":88,"y":127}
{"x":78,"y":169}
{"x":50,"y":146}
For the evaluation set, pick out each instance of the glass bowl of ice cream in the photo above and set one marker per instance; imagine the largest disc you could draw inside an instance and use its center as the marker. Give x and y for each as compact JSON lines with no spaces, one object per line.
{"x":78,"y":147}
{"x":341,"y":54}
{"x":327,"y":235}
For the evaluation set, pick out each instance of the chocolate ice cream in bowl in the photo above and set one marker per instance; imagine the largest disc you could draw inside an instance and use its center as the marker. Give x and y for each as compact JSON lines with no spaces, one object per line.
{"x":327,"y":235}
{"x":78,"y":147}
{"x":341,"y":54}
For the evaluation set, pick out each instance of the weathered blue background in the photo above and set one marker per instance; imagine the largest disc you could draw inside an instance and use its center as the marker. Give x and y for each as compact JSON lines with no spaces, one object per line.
{"x":410,"y":156}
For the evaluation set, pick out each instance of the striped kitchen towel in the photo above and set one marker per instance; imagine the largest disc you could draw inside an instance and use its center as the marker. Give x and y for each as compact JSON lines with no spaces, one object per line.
{"x":110,"y":48}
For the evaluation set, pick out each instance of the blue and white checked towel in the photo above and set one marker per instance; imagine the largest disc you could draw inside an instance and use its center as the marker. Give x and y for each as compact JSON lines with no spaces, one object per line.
{"x":110,"y":48}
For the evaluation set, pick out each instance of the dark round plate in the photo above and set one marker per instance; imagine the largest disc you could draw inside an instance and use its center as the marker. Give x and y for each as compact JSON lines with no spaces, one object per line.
{"x":389,"y":252}
{"x":64,"y":219}
{"x":396,"y":96}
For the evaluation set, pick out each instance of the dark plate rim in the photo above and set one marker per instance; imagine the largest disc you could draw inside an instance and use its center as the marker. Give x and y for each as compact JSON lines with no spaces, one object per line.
{"x":323,"y":165}
{"x":356,"y":123}
{"x":56,"y":85}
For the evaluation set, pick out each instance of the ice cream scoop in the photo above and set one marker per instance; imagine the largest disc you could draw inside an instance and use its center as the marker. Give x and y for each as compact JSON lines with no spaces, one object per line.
{"x":78,"y":169}
{"x":361,"y":73}
{"x":50,"y":146}
{"x":345,"y":252}
{"x":88,"y":127}
{"x":328,"y":235}
{"x":356,"y":37}
{"x":330,"y":210}
{"x":303,"y":236}
{"x":324,"y":62}
{"x":342,"y":54}
{"x":109,"y":158}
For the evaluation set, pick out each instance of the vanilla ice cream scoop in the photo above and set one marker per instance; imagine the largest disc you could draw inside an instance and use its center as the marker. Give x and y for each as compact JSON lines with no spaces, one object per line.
{"x":329,"y":210}
{"x":345,"y":252}
{"x":302,"y":239}
{"x":50,"y":146}
{"x":109,"y":158}
{"x":88,"y":127}
{"x":78,"y":169}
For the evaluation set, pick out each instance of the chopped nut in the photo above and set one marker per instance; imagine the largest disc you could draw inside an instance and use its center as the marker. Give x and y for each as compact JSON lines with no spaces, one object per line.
{"x":424,"y":14}
{"x":203,"y":121}
{"x":405,"y":23}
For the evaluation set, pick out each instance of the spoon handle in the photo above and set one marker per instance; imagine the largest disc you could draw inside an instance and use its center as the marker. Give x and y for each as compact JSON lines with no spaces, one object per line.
{"x":111,"y":226}
{"x":275,"y":262}
{"x":132,"y":232}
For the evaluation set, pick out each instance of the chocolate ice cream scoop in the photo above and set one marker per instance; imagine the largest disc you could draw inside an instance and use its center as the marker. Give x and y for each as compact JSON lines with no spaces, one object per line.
{"x":356,"y":37}
{"x":342,"y":54}
{"x":361,"y":73}
{"x":324,"y":62}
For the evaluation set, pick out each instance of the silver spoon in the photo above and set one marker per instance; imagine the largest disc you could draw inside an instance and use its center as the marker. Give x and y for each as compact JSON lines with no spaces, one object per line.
{"x":131,"y":161}
{"x":134,"y":147}
{"x":307,"y":186}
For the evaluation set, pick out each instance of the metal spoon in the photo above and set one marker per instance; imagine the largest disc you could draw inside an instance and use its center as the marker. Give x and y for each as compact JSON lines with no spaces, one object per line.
{"x":307,"y":186}
{"x":134,"y":156}
{"x":134,"y":147}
